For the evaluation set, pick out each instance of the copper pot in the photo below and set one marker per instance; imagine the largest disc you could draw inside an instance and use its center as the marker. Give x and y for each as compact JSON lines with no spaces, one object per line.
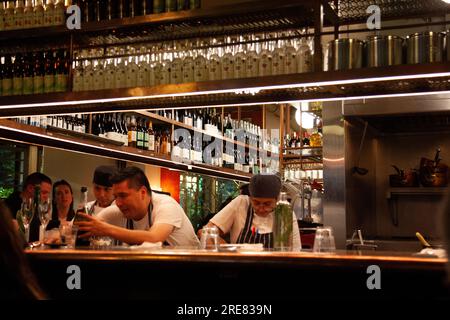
{"x":433,"y":173}
{"x":404,"y":178}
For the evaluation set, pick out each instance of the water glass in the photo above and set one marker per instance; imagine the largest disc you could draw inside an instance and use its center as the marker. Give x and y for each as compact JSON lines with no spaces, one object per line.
{"x":209,"y":239}
{"x":324,"y":240}
{"x":69,"y":235}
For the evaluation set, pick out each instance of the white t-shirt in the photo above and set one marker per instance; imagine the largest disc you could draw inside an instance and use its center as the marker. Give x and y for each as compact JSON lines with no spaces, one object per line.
{"x":97,"y":209}
{"x":231,"y":219}
{"x":165,"y":210}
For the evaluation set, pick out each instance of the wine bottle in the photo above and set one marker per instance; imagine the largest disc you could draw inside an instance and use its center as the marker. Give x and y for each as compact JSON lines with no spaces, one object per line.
{"x":132,"y":133}
{"x":151,"y":137}
{"x":139,"y":135}
{"x":28,"y":74}
{"x":82,"y":208}
{"x":18,"y":75}
{"x":49,"y":77}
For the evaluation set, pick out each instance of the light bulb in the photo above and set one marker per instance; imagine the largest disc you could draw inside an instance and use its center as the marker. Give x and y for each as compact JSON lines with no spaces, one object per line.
{"x":307,"y":119}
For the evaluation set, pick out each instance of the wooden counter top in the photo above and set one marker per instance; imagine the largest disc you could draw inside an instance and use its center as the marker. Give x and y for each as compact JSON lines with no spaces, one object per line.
{"x":340,"y":258}
{"x":180,"y":274}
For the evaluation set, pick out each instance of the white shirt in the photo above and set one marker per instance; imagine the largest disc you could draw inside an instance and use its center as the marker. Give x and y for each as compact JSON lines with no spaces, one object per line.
{"x":165,"y":210}
{"x":97,"y":209}
{"x":231,"y":219}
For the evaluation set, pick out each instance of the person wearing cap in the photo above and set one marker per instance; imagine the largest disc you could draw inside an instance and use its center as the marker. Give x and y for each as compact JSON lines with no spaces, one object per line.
{"x":102,"y":187}
{"x":249,"y":219}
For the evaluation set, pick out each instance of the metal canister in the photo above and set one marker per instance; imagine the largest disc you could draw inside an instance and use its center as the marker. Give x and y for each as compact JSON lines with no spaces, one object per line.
{"x":345,"y":54}
{"x":425,"y":47}
{"x":447,"y":44}
{"x":384,"y":51}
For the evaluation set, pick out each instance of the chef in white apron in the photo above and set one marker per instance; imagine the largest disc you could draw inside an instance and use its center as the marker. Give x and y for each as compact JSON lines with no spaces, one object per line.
{"x":249,"y":219}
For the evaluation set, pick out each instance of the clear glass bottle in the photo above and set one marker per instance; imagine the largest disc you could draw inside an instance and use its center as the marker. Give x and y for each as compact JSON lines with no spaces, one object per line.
{"x":176,"y":73}
{"x":188,"y":67}
{"x":304,"y":57}
{"x":99,"y":74}
{"x":200,"y":71}
{"x":38,"y":13}
{"x":49,"y":13}
{"x":10,"y":21}
{"x":227,"y":64}
{"x":277,"y":58}
{"x":109,"y":74}
{"x":19,"y":15}
{"x":252,"y":63}
{"x":265,"y":61}
{"x":290,"y":58}
{"x":59,"y":13}
{"x":28,"y":15}
{"x":88,"y":75}
{"x":239,"y":65}
{"x":132,"y":71}
{"x":2,"y":17}
{"x":144,"y":69}
{"x":214,"y":66}
{"x":283,"y":224}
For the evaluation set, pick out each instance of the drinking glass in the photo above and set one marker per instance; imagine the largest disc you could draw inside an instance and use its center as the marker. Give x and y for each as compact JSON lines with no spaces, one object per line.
{"x":45,"y":215}
{"x":324,"y":240}
{"x":209,"y":239}
{"x":26,"y":215}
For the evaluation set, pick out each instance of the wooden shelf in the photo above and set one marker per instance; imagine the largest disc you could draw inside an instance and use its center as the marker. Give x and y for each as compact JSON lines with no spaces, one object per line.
{"x":225,"y":19}
{"x":14,"y":131}
{"x":204,"y":132}
{"x":268,"y":89}
{"x":419,"y":191}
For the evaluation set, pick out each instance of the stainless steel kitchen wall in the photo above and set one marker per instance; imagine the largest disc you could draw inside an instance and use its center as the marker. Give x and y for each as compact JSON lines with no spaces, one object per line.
{"x":334,"y":171}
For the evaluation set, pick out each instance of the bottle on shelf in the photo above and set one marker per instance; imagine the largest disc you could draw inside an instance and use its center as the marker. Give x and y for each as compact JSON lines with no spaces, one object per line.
{"x":49,"y":76}
{"x":38,"y":13}
{"x":151,"y":137}
{"x":39,"y":72}
{"x":62,"y":71}
{"x":18,"y":75}
{"x":27,"y":87}
{"x":158,"y":6}
{"x":316,"y":137}
{"x":132,"y":133}
{"x":59,"y":13}
{"x":19,"y":17}
{"x":49,"y":13}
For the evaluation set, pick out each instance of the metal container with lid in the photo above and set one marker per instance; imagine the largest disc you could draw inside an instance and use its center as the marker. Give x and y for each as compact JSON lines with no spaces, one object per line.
{"x":384,"y":51}
{"x":345,"y":54}
{"x":425,"y":47}
{"x":447,"y":44}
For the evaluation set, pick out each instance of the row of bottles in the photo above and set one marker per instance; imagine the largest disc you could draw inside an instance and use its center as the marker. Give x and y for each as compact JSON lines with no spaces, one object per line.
{"x":139,"y":132}
{"x":309,"y":138}
{"x":181,"y":63}
{"x":98,"y":10}
{"x":297,"y":172}
{"x":210,"y":121}
{"x":31,"y":14}
{"x":34,"y":73}
{"x":73,"y":122}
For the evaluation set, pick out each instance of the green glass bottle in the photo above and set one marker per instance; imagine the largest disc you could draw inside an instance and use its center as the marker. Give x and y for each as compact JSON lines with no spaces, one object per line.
{"x":158,"y":6}
{"x":194,"y":4}
{"x":171,"y":5}
{"x":282,"y":225}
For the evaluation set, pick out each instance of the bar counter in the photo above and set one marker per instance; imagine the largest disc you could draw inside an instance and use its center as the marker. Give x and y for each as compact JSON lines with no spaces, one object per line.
{"x":189,"y":274}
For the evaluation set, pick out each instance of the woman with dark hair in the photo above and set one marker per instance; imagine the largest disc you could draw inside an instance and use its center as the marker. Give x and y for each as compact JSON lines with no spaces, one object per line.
{"x":16,"y":278}
{"x":62,"y":210}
